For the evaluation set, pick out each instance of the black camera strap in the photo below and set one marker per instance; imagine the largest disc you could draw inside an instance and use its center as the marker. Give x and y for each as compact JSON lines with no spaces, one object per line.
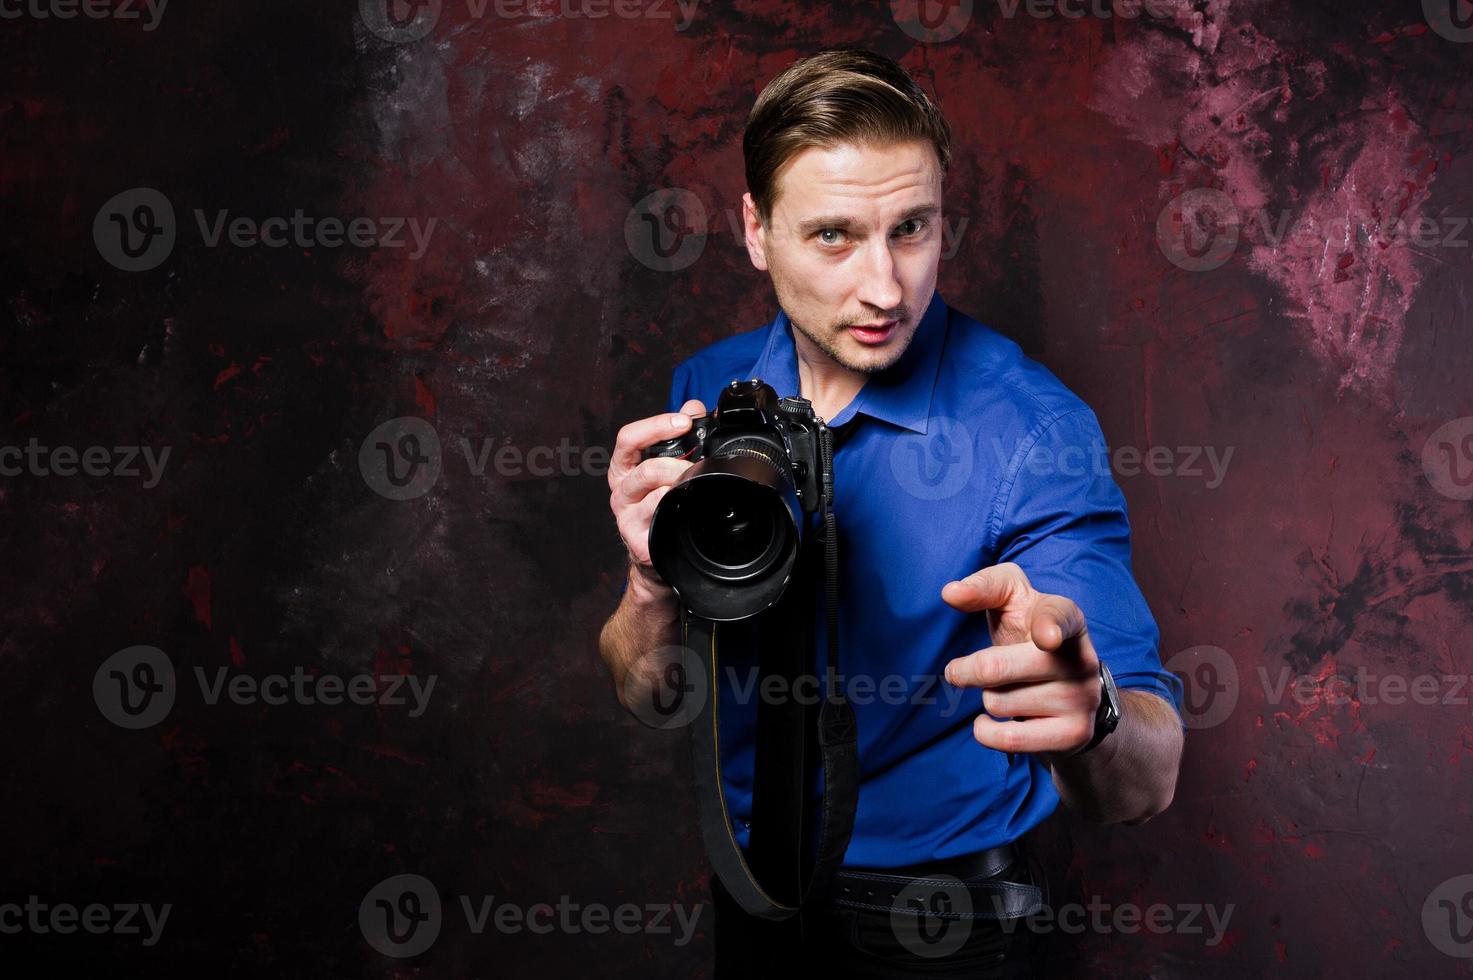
{"x":784,"y":731}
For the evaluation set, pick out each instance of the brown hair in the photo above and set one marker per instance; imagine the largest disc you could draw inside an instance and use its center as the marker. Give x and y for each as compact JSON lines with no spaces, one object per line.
{"x":839,"y":95}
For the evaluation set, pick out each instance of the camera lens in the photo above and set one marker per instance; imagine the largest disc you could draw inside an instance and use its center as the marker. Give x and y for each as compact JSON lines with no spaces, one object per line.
{"x":729,"y":537}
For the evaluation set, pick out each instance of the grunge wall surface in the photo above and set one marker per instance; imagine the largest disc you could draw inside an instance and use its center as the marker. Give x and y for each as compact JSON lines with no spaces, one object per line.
{"x":320,"y":320}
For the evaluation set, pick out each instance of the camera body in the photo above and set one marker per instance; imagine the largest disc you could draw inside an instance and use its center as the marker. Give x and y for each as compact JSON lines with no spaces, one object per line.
{"x":727,"y":535}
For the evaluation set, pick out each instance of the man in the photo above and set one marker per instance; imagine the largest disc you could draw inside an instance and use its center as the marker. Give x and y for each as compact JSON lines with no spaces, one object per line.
{"x":980,"y":539}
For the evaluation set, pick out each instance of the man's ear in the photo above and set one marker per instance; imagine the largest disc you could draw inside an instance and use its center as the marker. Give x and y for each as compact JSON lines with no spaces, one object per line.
{"x":756,"y":251}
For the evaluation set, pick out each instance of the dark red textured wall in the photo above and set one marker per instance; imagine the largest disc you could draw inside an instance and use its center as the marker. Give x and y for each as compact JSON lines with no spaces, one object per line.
{"x":1240,"y":230}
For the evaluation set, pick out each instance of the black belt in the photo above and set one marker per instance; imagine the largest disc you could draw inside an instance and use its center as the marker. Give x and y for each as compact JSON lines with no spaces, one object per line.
{"x":966,"y":887}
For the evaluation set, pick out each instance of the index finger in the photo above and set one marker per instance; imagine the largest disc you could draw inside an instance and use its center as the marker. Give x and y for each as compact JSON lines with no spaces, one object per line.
{"x":643,"y":433}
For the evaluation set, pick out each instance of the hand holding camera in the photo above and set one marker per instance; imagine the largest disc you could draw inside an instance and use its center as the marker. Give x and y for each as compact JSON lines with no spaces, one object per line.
{"x":637,"y":483}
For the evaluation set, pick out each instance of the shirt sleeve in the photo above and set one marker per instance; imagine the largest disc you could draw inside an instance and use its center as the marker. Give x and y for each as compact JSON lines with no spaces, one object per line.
{"x":679,"y":386}
{"x":1062,"y":518}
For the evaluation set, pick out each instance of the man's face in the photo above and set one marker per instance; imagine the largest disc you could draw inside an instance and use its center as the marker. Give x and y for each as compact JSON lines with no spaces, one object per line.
{"x":854,"y":238}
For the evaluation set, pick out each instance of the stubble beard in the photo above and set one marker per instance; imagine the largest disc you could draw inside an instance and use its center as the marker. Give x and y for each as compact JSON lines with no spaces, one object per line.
{"x":831,"y":341}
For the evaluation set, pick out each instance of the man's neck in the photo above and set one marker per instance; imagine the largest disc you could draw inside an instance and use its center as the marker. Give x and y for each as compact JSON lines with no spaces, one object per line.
{"x":828,"y":385}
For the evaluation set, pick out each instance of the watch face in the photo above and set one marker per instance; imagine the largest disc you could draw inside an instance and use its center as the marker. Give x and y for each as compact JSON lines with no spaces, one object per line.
{"x":1108,"y":715}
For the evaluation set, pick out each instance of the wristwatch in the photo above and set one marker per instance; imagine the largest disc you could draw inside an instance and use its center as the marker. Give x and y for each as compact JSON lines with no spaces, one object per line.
{"x":1107,"y":718}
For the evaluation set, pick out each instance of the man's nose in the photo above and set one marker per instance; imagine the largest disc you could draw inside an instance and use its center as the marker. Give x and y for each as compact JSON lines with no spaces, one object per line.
{"x":879,"y":286}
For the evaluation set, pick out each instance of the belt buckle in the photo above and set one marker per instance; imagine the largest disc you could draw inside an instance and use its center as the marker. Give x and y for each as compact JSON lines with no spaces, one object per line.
{"x":982,"y":865}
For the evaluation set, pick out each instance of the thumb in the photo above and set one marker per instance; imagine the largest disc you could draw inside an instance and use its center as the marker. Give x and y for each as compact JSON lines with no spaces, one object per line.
{"x":994,"y":587}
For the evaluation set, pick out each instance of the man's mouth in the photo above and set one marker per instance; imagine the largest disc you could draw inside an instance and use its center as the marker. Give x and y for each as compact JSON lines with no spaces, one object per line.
{"x":874,"y":333}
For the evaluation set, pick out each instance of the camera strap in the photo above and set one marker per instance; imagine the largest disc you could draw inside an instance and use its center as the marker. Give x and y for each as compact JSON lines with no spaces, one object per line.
{"x":784,"y":732}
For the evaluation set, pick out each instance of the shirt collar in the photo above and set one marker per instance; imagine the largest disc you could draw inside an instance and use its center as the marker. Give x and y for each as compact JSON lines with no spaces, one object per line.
{"x":900,"y":394}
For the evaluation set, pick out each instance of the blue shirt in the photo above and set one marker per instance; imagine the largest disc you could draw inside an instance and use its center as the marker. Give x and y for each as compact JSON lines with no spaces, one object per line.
{"x":963,"y":454}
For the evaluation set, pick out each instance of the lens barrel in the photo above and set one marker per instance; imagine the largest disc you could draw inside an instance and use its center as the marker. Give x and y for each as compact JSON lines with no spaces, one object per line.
{"x":726,"y":536}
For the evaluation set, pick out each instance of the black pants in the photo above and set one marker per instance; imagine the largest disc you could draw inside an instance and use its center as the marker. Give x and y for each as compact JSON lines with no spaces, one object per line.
{"x":855,"y":943}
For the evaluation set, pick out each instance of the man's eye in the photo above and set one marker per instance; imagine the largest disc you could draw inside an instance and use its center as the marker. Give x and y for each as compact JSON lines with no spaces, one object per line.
{"x":915,"y":226}
{"x":823,"y":236}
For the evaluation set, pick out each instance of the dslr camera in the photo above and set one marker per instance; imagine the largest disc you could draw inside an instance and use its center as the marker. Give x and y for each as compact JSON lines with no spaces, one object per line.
{"x":726,"y":536}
